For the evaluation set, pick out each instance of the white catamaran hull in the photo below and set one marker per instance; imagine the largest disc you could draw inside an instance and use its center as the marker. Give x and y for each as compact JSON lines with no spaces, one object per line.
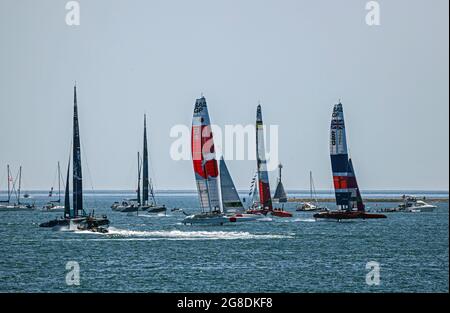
{"x":422,"y":208}
{"x":219,"y":219}
{"x":206,"y":219}
{"x":14,"y":208}
{"x":58,"y":208}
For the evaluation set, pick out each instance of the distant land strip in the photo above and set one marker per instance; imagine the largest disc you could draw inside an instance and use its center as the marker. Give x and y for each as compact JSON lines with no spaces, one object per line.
{"x":428,"y":199}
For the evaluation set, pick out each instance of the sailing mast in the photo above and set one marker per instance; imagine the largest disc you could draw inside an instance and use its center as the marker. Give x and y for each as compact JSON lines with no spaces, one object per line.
{"x":77,"y":172}
{"x":145,"y":180}
{"x":67,"y":211}
{"x":20,"y":182}
{"x":9,"y":183}
{"x":345,"y":185}
{"x":59,"y":184}
{"x":139,"y":181}
{"x":204,"y":158}
{"x":263,"y":177}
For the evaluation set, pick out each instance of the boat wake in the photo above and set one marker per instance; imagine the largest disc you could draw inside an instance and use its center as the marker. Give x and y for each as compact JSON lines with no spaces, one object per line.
{"x":300,"y":219}
{"x":189,"y":235}
{"x":155,"y":215}
{"x":265,"y":219}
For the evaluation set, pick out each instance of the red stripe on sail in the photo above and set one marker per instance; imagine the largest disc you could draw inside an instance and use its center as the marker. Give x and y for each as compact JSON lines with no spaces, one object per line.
{"x":340,"y":182}
{"x":264,"y":193}
{"x":196,"y":149}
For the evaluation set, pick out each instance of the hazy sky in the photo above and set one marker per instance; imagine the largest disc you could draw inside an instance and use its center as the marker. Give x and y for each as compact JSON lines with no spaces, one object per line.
{"x":297,"y":57}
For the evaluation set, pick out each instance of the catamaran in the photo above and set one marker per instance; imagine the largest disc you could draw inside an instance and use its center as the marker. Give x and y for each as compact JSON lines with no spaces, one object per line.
{"x":348,"y":195}
{"x":55,"y":205}
{"x":76,"y":216}
{"x":206,"y":170}
{"x":148,"y":200}
{"x":313,"y":205}
{"x":265,"y":199}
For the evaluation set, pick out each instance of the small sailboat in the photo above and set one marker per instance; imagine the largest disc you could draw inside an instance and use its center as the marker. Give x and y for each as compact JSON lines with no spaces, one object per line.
{"x":348,"y":195}
{"x":148,"y":200}
{"x":131,"y":205}
{"x":149,"y":203}
{"x":6,"y":205}
{"x":313,"y":205}
{"x":55,"y":205}
{"x":206,"y":173}
{"x":265,"y":198}
{"x":75,"y":216}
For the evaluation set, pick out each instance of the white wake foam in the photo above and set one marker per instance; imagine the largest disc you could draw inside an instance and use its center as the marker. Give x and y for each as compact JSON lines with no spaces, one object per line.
{"x":192,"y":235}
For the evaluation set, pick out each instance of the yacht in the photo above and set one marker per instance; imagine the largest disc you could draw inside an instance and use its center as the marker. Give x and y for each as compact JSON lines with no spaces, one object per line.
{"x":412,"y":204}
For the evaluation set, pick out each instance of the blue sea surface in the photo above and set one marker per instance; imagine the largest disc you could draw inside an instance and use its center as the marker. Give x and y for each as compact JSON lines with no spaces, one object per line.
{"x":157,"y":253}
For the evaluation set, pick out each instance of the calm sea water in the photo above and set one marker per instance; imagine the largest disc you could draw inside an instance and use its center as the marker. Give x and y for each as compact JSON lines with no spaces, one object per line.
{"x":156,"y":253}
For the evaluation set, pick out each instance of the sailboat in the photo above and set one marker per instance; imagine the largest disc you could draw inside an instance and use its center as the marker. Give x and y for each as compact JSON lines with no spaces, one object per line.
{"x":231,"y":202}
{"x":348,"y":195}
{"x":148,"y":201}
{"x":131,"y":205}
{"x":6,"y":205}
{"x":280,"y":194}
{"x":148,"y":196}
{"x":313,"y":205}
{"x":265,"y":199}
{"x":55,"y":205}
{"x":207,"y":177}
{"x":76,"y":216}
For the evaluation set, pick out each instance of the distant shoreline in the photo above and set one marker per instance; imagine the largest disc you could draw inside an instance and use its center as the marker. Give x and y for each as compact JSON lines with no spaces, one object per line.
{"x":373,"y":199}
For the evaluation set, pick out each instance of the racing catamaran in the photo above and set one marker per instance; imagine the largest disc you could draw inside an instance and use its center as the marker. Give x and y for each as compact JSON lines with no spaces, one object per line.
{"x":265,"y":199}
{"x":76,"y":216}
{"x":348,"y":195}
{"x":207,"y":176}
{"x":142,"y":203}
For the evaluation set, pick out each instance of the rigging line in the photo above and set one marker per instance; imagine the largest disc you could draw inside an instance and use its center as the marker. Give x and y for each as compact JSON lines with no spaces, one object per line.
{"x":89,"y":175}
{"x":151,"y":178}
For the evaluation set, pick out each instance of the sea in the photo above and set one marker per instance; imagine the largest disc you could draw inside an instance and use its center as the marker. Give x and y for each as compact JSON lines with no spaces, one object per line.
{"x":407,"y":252}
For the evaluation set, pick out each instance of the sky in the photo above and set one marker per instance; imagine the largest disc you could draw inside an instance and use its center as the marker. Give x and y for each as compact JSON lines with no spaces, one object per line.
{"x":296,"y":57}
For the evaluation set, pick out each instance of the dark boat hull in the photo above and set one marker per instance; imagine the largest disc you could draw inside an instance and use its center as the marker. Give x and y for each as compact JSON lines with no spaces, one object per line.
{"x":281,"y":213}
{"x":156,"y":209}
{"x":348,"y":215}
{"x":87,"y":222}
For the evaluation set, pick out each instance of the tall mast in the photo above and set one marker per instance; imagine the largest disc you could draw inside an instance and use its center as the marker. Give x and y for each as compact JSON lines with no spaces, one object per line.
{"x":20,"y":182}
{"x":263,"y":177}
{"x":145,"y":180}
{"x":310,"y":185}
{"x":139,"y":180}
{"x":9,"y":183}
{"x":77,"y":172}
{"x":59,"y":183}
{"x":67,"y":211}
